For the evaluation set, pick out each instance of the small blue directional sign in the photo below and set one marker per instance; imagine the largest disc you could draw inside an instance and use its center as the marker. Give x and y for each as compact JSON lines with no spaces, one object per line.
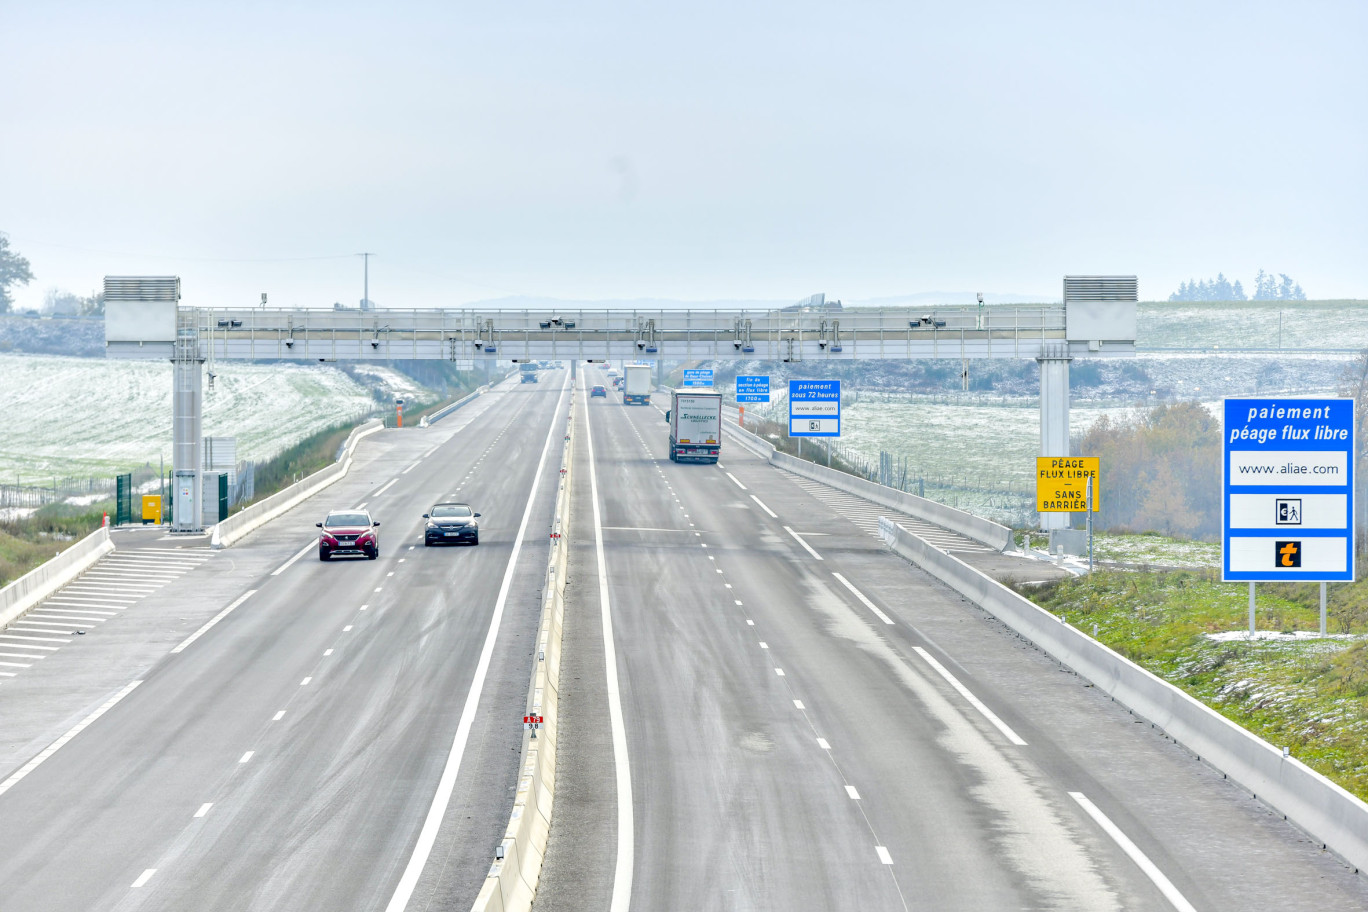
{"x":814,"y":408}
{"x":1288,"y":493}
{"x":752,"y":389}
{"x":699,"y":377}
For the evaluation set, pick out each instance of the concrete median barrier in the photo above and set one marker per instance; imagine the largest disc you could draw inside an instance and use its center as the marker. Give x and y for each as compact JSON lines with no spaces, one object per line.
{"x":1323,"y":809}
{"x":28,"y":590}
{"x":263,"y":511}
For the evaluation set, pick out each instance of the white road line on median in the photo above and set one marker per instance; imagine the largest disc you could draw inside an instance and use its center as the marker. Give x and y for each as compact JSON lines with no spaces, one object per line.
{"x":799,"y":539}
{"x":21,"y":655}
{"x":385,"y":487}
{"x":761,"y":503}
{"x":55,"y":746}
{"x":212,"y":621}
{"x":883,"y":855}
{"x":10,"y":636}
{"x":143,"y":878}
{"x":247,"y":756}
{"x":285,"y":566}
{"x":737,"y":480}
{"x":861,"y":596}
{"x":973,"y":700}
{"x":626,"y":840}
{"x":1150,"y":869}
{"x":204,"y":809}
{"x":17,"y":664}
{"x":25,"y":646}
{"x":428,"y":835}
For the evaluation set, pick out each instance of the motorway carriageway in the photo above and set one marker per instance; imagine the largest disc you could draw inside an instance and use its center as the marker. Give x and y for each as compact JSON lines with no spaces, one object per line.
{"x":268,"y":731}
{"x":764,"y":708}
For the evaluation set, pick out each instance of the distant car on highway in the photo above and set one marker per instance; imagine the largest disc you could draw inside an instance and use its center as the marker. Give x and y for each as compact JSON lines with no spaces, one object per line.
{"x":528,"y":377}
{"x":451,"y":523}
{"x":348,"y":532}
{"x":599,"y":391}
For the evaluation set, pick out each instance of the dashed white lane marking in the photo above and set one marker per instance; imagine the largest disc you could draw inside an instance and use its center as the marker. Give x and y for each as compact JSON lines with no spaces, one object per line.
{"x":850,"y":790}
{"x":278,"y":716}
{"x":970,"y":698}
{"x":143,"y":878}
{"x":822,"y":743}
{"x":750,"y":623}
{"x":327,"y":652}
{"x":798,"y":704}
{"x":247,"y":756}
{"x":762,"y":506}
{"x":883,"y":855}
{"x":861,"y":596}
{"x":799,"y":539}
{"x":779,"y":672}
{"x":55,"y":746}
{"x":347,"y":628}
{"x":764,"y":645}
{"x":305,"y":682}
{"x":737,"y":601}
{"x":285,"y":566}
{"x":737,"y":480}
{"x":214,"y":620}
{"x":379,"y":588}
{"x":364,"y":607}
{"x":1150,"y":869}
{"x":204,"y":809}
{"x":386,"y":486}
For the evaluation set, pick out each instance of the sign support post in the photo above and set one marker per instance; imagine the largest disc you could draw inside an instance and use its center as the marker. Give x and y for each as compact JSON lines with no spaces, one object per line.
{"x":1322,"y":609}
{"x":1090,"y":523}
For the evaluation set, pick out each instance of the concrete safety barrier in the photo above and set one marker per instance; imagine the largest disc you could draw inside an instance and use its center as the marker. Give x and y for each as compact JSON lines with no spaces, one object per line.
{"x":1323,"y":809}
{"x":232,"y":529}
{"x":981,"y":530}
{"x":511,"y":884}
{"x":28,"y":590}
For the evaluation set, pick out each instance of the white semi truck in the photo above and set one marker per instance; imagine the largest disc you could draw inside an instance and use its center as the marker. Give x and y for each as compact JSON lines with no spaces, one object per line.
{"x":695,"y":419}
{"x":636,"y":388}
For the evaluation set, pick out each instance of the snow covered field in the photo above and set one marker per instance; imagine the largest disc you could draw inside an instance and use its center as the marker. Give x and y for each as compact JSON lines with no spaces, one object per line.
{"x":75,"y":417}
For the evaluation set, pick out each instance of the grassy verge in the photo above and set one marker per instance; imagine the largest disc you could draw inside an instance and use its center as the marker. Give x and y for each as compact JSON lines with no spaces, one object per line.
{"x":317,"y":451}
{"x":1309,"y":695}
{"x":26,"y":543}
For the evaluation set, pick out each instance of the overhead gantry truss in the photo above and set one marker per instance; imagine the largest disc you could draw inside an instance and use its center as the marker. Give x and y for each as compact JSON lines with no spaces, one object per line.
{"x":138,"y":330}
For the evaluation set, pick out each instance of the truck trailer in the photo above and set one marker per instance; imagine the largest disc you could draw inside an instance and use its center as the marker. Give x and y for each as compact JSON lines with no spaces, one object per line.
{"x":695,"y":420}
{"x":636,"y":388}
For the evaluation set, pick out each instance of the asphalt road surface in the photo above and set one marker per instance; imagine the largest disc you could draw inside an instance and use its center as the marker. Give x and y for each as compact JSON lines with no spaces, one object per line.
{"x":809,"y":722}
{"x":288,"y":758}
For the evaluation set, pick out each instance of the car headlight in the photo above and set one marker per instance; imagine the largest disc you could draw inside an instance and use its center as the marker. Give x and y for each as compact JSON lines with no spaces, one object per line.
{"x":431,"y":524}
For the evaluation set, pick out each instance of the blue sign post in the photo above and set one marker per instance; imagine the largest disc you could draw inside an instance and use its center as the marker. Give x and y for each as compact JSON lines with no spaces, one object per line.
{"x":752,"y":389}
{"x":1288,"y":493}
{"x":814,"y":408}
{"x":698,"y":377}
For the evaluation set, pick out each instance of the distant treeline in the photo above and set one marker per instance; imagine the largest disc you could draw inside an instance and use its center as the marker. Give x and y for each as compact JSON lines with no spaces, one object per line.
{"x":1267,"y":287}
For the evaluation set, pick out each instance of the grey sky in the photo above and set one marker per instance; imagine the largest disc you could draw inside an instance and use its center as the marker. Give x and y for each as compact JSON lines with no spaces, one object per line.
{"x":701,"y":150}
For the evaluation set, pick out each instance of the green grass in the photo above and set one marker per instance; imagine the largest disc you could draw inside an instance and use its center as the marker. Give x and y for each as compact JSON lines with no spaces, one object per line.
{"x":26,"y":543}
{"x":1307,"y":695}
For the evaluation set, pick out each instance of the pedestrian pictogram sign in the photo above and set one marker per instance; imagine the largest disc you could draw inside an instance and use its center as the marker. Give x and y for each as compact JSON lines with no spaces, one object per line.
{"x":1062,"y":484}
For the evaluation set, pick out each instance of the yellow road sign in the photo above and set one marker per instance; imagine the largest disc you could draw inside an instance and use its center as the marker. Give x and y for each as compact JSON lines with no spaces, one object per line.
{"x":1062,"y":484}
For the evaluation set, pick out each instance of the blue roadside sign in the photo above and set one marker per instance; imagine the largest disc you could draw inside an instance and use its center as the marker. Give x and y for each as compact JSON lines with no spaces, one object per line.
{"x":752,"y":389}
{"x":698,"y":377}
{"x":1288,"y":492}
{"x":814,"y":408}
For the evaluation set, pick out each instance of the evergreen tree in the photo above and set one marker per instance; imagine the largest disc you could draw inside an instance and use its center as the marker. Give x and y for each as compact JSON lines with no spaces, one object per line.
{"x":1237,"y":293}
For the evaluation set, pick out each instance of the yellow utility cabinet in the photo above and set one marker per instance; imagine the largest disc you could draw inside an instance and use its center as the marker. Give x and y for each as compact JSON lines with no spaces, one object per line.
{"x":152,"y":508}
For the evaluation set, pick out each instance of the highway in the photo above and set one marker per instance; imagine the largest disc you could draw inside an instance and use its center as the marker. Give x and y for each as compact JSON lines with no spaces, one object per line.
{"x":809,"y":722}
{"x":761,"y":707}
{"x":290,"y":756}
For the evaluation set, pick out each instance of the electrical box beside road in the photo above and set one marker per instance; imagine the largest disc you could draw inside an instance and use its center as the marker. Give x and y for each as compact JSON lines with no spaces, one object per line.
{"x":152,"y":509}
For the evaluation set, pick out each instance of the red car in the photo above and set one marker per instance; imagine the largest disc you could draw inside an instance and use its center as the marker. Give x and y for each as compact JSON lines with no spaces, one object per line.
{"x":348,"y":532}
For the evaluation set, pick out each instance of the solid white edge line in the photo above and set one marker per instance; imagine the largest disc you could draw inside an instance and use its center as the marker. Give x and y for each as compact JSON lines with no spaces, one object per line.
{"x":285,"y":566}
{"x":973,"y":700}
{"x":799,"y":539}
{"x":55,"y":746}
{"x":772,"y":514}
{"x":626,"y":838}
{"x":1150,"y":869}
{"x":427,"y":836}
{"x":212,"y":621}
{"x":737,"y":480}
{"x":861,"y":596}
{"x":143,"y":878}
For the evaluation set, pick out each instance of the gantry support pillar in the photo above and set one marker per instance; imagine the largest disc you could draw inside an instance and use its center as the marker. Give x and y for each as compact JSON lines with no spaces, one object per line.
{"x":1054,"y":415}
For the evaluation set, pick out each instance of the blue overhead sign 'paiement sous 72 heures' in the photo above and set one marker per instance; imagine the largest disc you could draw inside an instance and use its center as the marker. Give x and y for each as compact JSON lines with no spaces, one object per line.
{"x":1288,"y":490}
{"x":814,"y":408}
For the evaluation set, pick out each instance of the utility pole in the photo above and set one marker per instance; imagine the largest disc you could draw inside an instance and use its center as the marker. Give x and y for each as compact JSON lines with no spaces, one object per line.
{"x":365,"y":294}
